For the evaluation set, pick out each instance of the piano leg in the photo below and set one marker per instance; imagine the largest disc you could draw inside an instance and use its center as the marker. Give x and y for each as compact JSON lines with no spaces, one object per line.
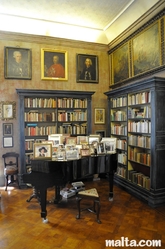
{"x":111,"y":176}
{"x":43,"y":202}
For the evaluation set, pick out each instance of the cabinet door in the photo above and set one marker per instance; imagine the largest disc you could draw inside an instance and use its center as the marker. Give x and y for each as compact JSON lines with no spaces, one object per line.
{"x":139,"y":138}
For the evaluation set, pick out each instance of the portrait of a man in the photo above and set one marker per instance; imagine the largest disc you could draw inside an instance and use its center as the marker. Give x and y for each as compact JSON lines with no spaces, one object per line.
{"x":53,"y":64}
{"x":17,"y":63}
{"x":87,"y":68}
{"x":7,"y":129}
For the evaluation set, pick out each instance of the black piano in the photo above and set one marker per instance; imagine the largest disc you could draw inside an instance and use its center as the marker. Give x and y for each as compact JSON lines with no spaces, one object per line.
{"x":49,"y":173}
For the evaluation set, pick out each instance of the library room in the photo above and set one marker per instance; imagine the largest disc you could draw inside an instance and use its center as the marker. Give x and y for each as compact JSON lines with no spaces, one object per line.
{"x":82,"y":124}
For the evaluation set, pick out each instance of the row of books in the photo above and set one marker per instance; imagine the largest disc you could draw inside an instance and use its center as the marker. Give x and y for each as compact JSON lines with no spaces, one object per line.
{"x":72,"y":103}
{"x":73,"y":129}
{"x":52,"y":103}
{"x":39,"y":116}
{"x":121,"y":144}
{"x":43,"y":130}
{"x":72,"y":116}
{"x":140,"y":141}
{"x":119,"y":102}
{"x":119,"y":129}
{"x":121,"y":171}
{"x":118,"y":116}
{"x":139,"y":98}
{"x":122,"y":158}
{"x":143,"y":126}
{"x":139,"y":179}
{"x":40,"y":102}
{"x":30,"y":142}
{"x":140,"y":157}
{"x":144,"y":112}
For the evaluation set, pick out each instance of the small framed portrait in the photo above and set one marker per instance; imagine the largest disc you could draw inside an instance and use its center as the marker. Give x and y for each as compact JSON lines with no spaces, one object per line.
{"x":42,"y":151}
{"x":85,"y":152}
{"x":87,"y":68}
{"x":82,"y":139}
{"x":54,"y":65}
{"x":7,"y":110}
{"x":56,"y":139}
{"x":94,"y":138}
{"x":7,"y":129}
{"x":7,"y":142}
{"x":71,"y":140}
{"x":109,"y":145}
{"x":17,"y":63}
{"x":101,"y":148}
{"x":72,"y":154}
{"x":99,"y":116}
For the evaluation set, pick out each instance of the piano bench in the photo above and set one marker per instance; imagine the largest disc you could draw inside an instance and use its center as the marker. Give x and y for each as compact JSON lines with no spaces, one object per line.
{"x":90,"y":194}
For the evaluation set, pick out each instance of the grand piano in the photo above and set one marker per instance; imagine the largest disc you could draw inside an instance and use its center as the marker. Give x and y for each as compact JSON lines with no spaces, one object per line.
{"x":48,"y":173}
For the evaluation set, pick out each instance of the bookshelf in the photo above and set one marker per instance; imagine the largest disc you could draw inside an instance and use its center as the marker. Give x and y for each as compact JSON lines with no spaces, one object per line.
{"x":136,"y":119}
{"x":46,"y":112}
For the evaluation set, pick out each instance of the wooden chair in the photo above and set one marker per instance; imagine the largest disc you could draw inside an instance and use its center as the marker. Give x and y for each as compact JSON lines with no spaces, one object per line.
{"x":92,"y":195}
{"x":11,"y":168}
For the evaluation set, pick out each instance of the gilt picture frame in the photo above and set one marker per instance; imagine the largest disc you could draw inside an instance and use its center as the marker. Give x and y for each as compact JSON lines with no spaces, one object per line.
{"x":42,"y":151}
{"x":120,"y":64}
{"x":17,"y":63}
{"x":87,"y":68}
{"x":54,"y":64}
{"x":85,"y":152}
{"x":146,"y":54}
{"x":7,"y":110}
{"x":99,"y":115}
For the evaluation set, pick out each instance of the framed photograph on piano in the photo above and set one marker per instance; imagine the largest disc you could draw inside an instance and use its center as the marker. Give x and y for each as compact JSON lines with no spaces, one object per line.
{"x":42,"y":151}
{"x":109,"y":145}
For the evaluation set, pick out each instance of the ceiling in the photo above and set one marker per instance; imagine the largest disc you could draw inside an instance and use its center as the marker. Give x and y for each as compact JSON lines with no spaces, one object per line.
{"x":92,"y":20}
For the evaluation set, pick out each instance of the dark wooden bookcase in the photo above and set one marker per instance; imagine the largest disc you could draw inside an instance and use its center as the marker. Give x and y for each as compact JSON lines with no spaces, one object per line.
{"x":136,"y":117}
{"x":45,"y":112}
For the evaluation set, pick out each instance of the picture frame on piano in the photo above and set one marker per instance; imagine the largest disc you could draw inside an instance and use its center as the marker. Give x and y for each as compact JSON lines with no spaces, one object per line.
{"x":109,"y":145}
{"x":71,"y":140}
{"x":42,"y":151}
{"x":72,"y":154}
{"x":56,"y":138}
{"x":94,"y":138}
{"x":85,"y":152}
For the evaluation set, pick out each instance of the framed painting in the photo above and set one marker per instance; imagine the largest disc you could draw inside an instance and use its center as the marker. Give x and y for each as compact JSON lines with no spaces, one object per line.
{"x":54,"y":64}
{"x":72,"y":154}
{"x":42,"y":151}
{"x":94,"y":138}
{"x":87,"y":68}
{"x":120,"y":64}
{"x":7,"y":129}
{"x":17,"y":64}
{"x":99,"y":116}
{"x":7,"y":142}
{"x":109,"y":145}
{"x":57,"y":139}
{"x":82,"y":139}
{"x":146,"y":54}
{"x":71,"y":140}
{"x":7,"y":110}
